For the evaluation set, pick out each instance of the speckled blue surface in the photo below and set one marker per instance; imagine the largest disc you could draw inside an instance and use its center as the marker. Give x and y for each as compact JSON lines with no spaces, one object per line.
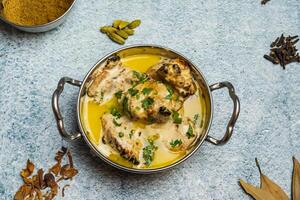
{"x":226,"y":39}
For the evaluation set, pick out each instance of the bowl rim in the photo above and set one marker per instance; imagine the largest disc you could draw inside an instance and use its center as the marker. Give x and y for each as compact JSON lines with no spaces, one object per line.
{"x":135,"y":170}
{"x":39,"y":25}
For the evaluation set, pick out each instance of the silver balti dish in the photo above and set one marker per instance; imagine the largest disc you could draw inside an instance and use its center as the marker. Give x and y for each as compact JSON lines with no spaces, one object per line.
{"x":142,"y":146}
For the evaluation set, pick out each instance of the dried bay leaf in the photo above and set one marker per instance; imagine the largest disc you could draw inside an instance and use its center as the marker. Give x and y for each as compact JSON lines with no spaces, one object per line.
{"x":296,"y":180}
{"x":256,"y":193}
{"x":268,"y":190}
{"x":269,"y":186}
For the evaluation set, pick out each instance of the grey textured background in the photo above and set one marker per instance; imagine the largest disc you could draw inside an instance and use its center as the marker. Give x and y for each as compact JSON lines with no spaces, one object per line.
{"x":226,"y":39}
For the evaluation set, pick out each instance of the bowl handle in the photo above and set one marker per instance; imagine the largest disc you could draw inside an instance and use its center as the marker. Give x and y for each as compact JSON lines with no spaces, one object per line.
{"x":234,"y":116}
{"x":56,"y":109}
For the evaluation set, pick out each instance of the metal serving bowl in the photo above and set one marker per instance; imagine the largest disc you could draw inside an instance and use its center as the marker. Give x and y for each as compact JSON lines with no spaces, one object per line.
{"x":161,"y":51}
{"x":43,"y":27}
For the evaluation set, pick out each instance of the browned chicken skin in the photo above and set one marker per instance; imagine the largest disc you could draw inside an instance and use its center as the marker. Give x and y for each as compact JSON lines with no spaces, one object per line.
{"x":121,"y":138}
{"x":177,"y":73}
{"x":151,"y":101}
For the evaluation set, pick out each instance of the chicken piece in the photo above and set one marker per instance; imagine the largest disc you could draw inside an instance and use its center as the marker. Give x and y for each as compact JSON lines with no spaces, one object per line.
{"x":151,"y":101}
{"x":120,"y":135}
{"x":177,"y":73}
{"x":134,"y":143}
{"x":183,"y":136}
{"x":109,"y":79}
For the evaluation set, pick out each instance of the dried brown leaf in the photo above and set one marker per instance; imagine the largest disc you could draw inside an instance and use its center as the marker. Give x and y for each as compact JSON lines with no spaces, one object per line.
{"x":49,"y":180}
{"x":41,"y":178}
{"x":52,"y":184}
{"x":70,"y":159}
{"x":50,"y":195}
{"x":23,"y":192}
{"x":33,"y":186}
{"x":60,"y":154}
{"x":55,"y":169}
{"x":271,"y":187}
{"x":63,"y":190}
{"x":39,"y":195}
{"x":27,"y":181}
{"x":296,"y":180}
{"x":30,"y":166}
{"x":37,"y":180}
{"x":67,"y":172}
{"x":256,"y":193}
{"x":28,"y":170}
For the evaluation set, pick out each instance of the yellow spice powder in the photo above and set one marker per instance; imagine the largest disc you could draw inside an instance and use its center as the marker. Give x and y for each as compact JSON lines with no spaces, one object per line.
{"x":34,"y":12}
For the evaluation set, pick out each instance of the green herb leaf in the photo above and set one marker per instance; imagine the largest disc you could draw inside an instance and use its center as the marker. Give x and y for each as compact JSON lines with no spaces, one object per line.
{"x":141,"y":77}
{"x":137,"y":96}
{"x":116,"y":123}
{"x":146,"y":103}
{"x":176,"y":118}
{"x":101,"y":96}
{"x":121,"y":134}
{"x":132,"y":92}
{"x":147,"y":91}
{"x":115,"y":112}
{"x":131,"y":133}
{"x":190,"y":131}
{"x":148,"y":152}
{"x":170,"y":90}
{"x":118,"y":94}
{"x":125,"y":105}
{"x":150,"y":120}
{"x":137,"y":108}
{"x":196,"y":117}
{"x":175,"y":143}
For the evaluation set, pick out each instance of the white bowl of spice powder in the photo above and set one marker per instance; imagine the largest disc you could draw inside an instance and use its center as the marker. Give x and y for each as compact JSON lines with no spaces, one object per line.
{"x":35,"y":15}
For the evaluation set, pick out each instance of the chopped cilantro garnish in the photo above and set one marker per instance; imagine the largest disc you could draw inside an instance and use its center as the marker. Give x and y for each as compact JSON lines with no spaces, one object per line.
{"x":137,"y":96}
{"x":121,"y":134}
{"x":132,"y":92}
{"x":102,"y":96}
{"x":140,"y":76}
{"x":175,"y":143}
{"x":150,"y":120}
{"x":146,"y":103}
{"x":190,"y":131}
{"x":147,"y":91}
{"x":118,"y":94}
{"x":196,"y":117}
{"x":115,"y":112}
{"x":148,"y":152}
{"x":131,"y":133}
{"x":116,"y":123}
{"x":125,"y":105}
{"x":136,"y":74}
{"x":170,"y":90}
{"x":176,"y":118}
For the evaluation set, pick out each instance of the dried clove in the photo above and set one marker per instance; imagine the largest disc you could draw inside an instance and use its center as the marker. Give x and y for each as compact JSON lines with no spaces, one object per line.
{"x":283,"y":51}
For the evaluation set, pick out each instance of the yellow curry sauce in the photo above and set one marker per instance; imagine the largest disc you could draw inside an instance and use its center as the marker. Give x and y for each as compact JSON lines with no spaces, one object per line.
{"x":92,"y":112}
